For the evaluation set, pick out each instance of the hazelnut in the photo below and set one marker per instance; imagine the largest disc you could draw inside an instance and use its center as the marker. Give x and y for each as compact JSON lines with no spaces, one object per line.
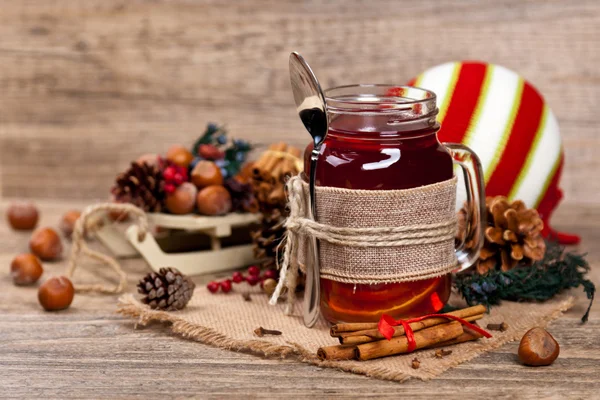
{"x":213,"y":200}
{"x":538,"y":347}
{"x":183,"y":199}
{"x":180,"y":155}
{"x":56,"y":293}
{"x":22,"y":216}
{"x":150,"y":159}
{"x":46,"y":244}
{"x":26,"y":269}
{"x":206,"y":173}
{"x":269,"y":286}
{"x":67,"y":223}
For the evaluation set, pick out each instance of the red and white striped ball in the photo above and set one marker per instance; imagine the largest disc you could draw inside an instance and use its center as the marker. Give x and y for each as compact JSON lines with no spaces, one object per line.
{"x":506,"y":121}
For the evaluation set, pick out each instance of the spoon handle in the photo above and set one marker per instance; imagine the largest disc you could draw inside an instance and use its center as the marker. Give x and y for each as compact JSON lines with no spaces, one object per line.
{"x":312,"y":293}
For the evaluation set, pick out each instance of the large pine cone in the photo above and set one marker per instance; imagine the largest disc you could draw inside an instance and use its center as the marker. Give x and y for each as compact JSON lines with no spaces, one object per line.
{"x":168,"y":290}
{"x":512,"y":236}
{"x":268,"y":237}
{"x":141,"y":185}
{"x":242,"y":196}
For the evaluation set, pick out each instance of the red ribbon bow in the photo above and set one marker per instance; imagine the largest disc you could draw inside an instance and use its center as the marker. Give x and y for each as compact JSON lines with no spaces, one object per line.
{"x":386,"y":327}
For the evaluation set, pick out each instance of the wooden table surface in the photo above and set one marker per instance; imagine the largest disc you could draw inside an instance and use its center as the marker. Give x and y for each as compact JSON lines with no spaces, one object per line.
{"x":89,"y":351}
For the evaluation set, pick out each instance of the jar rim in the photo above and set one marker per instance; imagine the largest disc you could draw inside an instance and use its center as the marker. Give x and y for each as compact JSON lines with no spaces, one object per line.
{"x":380,"y":98}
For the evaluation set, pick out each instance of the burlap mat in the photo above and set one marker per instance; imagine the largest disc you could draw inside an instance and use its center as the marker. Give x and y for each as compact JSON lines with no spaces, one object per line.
{"x":227,"y":321}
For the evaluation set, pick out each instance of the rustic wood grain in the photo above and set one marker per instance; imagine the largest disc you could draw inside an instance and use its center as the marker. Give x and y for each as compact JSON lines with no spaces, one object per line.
{"x":88,"y":86}
{"x":89,"y":351}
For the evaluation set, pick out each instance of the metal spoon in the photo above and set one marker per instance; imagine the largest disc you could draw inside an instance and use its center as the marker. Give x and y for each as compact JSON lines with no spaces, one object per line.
{"x":312,"y":110}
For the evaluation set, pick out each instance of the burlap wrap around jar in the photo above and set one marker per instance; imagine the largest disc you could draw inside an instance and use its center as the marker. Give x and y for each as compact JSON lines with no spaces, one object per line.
{"x":371,"y":236}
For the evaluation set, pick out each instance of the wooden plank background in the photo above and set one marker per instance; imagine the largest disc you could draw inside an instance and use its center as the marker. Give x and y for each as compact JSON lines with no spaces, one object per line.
{"x":87,"y":86}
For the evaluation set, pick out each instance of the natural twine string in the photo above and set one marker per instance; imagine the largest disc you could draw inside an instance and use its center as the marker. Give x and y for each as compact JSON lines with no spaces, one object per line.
{"x":80,"y":246}
{"x":298,"y":225}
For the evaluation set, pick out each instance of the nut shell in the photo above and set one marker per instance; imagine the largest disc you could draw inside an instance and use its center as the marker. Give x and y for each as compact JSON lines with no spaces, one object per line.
{"x":538,"y":348}
{"x":56,"y":293}
{"x":213,"y":200}
{"x":46,"y":244}
{"x":183,"y":200}
{"x":206,"y":173}
{"x":269,"y":286}
{"x":22,"y":216}
{"x":180,"y":155}
{"x":26,"y":269}
{"x":67,"y":223}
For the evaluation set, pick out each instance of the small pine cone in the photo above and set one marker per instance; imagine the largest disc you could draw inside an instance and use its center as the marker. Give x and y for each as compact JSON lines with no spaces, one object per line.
{"x":512,"y":235}
{"x":268,"y":238}
{"x":141,"y":185}
{"x":242,"y":196}
{"x":168,"y":290}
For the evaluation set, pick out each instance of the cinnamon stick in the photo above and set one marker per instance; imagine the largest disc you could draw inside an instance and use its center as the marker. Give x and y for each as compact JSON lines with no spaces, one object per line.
{"x":337,"y":352}
{"x":467,"y":336}
{"x":399,"y":345}
{"x":262,"y":160}
{"x":337,"y":329}
{"x":289,"y":165}
{"x":342,"y":352}
{"x":273,"y":158}
{"x":371,"y":335}
{"x":277,"y":171}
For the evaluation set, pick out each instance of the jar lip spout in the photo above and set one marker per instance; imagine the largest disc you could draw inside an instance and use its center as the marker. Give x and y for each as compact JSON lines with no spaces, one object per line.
{"x":381,"y":98}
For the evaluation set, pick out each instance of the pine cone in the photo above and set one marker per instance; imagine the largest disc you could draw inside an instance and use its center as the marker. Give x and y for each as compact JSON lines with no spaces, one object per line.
{"x":141,"y":185}
{"x":168,"y":290}
{"x":242,"y":196}
{"x":268,"y":238}
{"x":512,"y":236}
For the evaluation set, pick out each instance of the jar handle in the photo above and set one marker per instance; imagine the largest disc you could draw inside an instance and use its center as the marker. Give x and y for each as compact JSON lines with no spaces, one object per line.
{"x":476,"y":209}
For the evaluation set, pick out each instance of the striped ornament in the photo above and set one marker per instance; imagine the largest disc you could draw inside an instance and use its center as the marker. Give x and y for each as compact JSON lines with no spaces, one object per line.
{"x":505,"y":120}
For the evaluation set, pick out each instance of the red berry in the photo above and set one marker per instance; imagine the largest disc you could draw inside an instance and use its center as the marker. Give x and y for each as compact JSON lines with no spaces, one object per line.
{"x":170,"y":188}
{"x":238,"y":277}
{"x":210,"y":152}
{"x":252,"y":280}
{"x":213,"y":286}
{"x":169,"y":173}
{"x":178,"y":179}
{"x":226,"y":286}
{"x":184,"y":173}
{"x":270,"y":274}
{"x":253,"y":270}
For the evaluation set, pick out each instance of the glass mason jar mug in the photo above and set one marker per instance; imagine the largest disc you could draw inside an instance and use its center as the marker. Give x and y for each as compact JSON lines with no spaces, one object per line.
{"x":384,"y":138}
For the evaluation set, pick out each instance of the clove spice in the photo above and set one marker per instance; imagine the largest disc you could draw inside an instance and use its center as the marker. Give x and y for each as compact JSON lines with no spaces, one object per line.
{"x":502,"y":327}
{"x":260,"y":332}
{"x":441,"y":353}
{"x":415,"y":364}
{"x":246,"y":296}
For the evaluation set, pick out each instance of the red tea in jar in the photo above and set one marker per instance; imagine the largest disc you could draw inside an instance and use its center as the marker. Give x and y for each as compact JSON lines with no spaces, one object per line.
{"x":382,"y":138}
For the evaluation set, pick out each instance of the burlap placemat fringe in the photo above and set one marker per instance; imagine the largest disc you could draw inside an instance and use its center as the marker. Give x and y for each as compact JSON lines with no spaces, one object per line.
{"x":227,"y":322}
{"x":130,"y":307}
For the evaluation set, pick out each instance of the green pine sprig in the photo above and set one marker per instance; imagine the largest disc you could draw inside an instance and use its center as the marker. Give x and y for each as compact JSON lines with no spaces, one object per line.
{"x":558,"y":271}
{"x":235,"y":151}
